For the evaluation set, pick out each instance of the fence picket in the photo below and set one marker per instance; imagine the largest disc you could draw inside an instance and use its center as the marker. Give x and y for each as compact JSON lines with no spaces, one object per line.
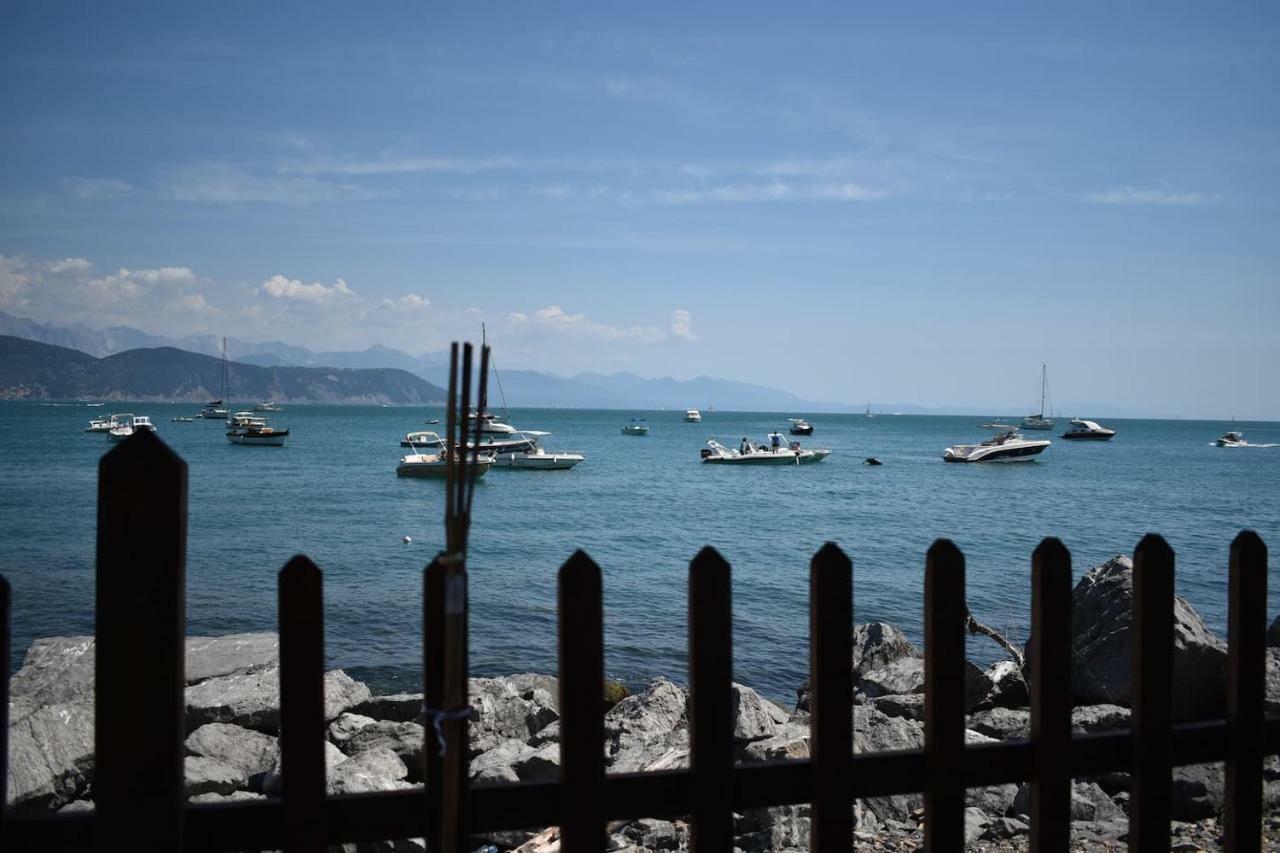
{"x":139,"y":713}
{"x":831,"y":685}
{"x":302,"y":729}
{"x":944,"y":687}
{"x":710,"y":706}
{"x":581,"y":642}
{"x":433,"y":697}
{"x":1051,"y":697}
{"x":1151,"y":693}
{"x":1246,"y":689}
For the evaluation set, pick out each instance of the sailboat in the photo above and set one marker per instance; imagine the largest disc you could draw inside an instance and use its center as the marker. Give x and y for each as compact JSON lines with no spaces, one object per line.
{"x":1039,"y":421}
{"x":867,"y":413}
{"x":215,"y":410}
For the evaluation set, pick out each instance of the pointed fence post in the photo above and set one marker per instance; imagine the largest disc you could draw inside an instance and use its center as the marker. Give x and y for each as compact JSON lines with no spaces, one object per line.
{"x":1246,"y":689}
{"x":831,"y":698}
{"x":944,"y":638}
{"x":1051,"y":697}
{"x":433,"y":697}
{"x":1152,"y":692}
{"x":581,"y":642}
{"x":302,"y":728}
{"x":711,"y":710}
{"x":139,"y":714}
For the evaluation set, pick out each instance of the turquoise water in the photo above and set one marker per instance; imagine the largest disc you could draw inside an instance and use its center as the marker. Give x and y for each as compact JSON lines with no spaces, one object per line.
{"x":642,"y":507}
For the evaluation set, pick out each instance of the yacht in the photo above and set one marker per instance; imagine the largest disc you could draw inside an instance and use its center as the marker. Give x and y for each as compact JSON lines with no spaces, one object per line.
{"x":1007,"y":447}
{"x":436,"y":465}
{"x":998,"y":425}
{"x":489,"y":425}
{"x":538,"y":460}
{"x":522,"y":442}
{"x":246,"y":428}
{"x":1232,"y":439}
{"x":268,"y":406}
{"x":750,"y":453}
{"x":799,"y":426}
{"x":692,"y":416}
{"x":636,"y":427}
{"x":142,"y":423}
{"x":1082,"y":430}
{"x":214,"y":410}
{"x":1039,"y":421}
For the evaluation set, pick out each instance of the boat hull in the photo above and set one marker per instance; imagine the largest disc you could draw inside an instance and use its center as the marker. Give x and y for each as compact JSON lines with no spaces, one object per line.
{"x":786,"y":457}
{"x":275,"y":439}
{"x":1027,"y":452}
{"x":1088,"y":436}
{"x":635,"y":430}
{"x":434,"y":470}
{"x":538,"y":461}
{"x":801,"y":431}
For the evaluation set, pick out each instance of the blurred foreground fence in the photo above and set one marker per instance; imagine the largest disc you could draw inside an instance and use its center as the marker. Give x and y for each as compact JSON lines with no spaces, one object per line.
{"x":138,"y":787}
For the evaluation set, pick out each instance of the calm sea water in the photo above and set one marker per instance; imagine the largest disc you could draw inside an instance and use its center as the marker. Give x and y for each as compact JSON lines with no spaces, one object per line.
{"x":642,"y":507}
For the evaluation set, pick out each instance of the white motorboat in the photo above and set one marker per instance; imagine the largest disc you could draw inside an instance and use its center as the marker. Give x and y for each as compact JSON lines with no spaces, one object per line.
{"x":538,"y":459}
{"x":489,"y":425}
{"x":799,"y":426}
{"x":1038,"y":420}
{"x":214,"y":411}
{"x":267,"y":406}
{"x":436,"y":465}
{"x":181,"y":419}
{"x":124,"y":425}
{"x":1006,"y":447}
{"x":692,"y":416}
{"x":750,"y":453}
{"x":1232,"y":439}
{"x":636,"y":427}
{"x":423,"y":438}
{"x":101,"y":424}
{"x":142,"y":423}
{"x":520,"y":442}
{"x":1082,"y":430}
{"x":997,"y":424}
{"x":252,"y":430}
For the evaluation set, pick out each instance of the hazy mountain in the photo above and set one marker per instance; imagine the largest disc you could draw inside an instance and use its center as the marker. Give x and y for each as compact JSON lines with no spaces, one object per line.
{"x":30,"y":369}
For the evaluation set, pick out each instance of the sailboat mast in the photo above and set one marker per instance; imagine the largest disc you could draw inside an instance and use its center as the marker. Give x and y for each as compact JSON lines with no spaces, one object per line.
{"x":1042,"y":378}
{"x":484,"y":341}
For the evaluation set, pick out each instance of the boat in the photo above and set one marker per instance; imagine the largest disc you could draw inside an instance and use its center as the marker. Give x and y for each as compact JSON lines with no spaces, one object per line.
{"x":997,"y":424}
{"x":692,"y":416}
{"x":181,"y":420}
{"x":867,"y":413}
{"x":523,"y":442}
{"x":437,"y":465}
{"x":122,"y":426}
{"x":1038,"y":420}
{"x":489,"y":425}
{"x":750,"y":453}
{"x":214,"y":411}
{"x":799,"y":426}
{"x":422,"y":439}
{"x":538,"y":459}
{"x":636,"y":427}
{"x":101,"y":424}
{"x":1009,"y":446}
{"x":249,"y":429}
{"x":1082,"y":430}
{"x":1232,"y":439}
{"x":267,"y":406}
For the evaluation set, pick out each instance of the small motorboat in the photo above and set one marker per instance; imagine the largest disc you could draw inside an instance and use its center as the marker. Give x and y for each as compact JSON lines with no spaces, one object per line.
{"x":101,"y":424}
{"x":268,"y":406}
{"x":636,"y":427}
{"x":121,"y":427}
{"x":692,"y":416}
{"x":490,"y":425}
{"x":431,"y":421}
{"x":1082,"y":430}
{"x":255,"y":431}
{"x":750,"y":453}
{"x":422,"y":438}
{"x":142,"y":423}
{"x":1232,"y":439}
{"x":436,"y":465}
{"x":799,"y":426}
{"x":1007,"y":447}
{"x":538,"y":459}
{"x":997,"y":424}
{"x":871,"y":460}
{"x":180,"y":419}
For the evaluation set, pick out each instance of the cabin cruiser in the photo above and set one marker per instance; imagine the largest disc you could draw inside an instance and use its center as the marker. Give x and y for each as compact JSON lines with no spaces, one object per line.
{"x":692,"y":416}
{"x":437,"y":465}
{"x":1082,"y":430}
{"x":799,"y":426}
{"x":101,"y":424}
{"x":214,"y":411}
{"x":489,"y":425}
{"x":268,"y":406}
{"x":255,"y":430}
{"x":997,"y":424}
{"x":636,"y":427}
{"x":181,"y":419}
{"x":1007,"y":447}
{"x":538,"y":459}
{"x":127,"y":425}
{"x":521,"y":442}
{"x":1232,"y":439}
{"x":750,"y":453}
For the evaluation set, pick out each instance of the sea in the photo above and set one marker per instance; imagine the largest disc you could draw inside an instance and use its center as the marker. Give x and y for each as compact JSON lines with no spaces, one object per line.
{"x":642,"y":507}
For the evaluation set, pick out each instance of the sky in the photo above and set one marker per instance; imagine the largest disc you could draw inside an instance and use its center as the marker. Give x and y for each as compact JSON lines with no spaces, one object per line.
{"x":919,"y":204}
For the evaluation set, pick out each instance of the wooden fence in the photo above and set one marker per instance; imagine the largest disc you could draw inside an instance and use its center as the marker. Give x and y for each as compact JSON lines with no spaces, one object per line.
{"x":138,"y":786}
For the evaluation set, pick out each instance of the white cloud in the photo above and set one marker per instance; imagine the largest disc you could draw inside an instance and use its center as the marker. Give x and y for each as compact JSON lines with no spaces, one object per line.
{"x":96,"y":188}
{"x":388,"y":164}
{"x":772,"y":191}
{"x":408,"y":302}
{"x":279,"y":287}
{"x":554,"y":319}
{"x":682,"y":325}
{"x":221,"y":183}
{"x":1135,"y":195}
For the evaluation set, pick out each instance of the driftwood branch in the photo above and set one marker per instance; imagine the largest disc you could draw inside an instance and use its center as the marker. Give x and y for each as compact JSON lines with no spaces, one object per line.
{"x":976,"y":627}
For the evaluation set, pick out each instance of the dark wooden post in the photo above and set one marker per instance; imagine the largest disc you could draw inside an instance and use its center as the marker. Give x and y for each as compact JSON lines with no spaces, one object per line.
{"x":302,"y":729}
{"x":944,"y":637}
{"x":581,"y":641}
{"x":5,"y":596}
{"x":139,"y":717}
{"x":433,"y":697}
{"x":1246,"y":689}
{"x":711,"y":710}
{"x":1152,"y":692}
{"x":831,"y":703}
{"x":1051,"y":697}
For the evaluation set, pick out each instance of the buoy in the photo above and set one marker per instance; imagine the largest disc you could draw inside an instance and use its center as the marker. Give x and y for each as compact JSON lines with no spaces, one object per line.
{"x":408,"y":539}
{"x":871,"y":460}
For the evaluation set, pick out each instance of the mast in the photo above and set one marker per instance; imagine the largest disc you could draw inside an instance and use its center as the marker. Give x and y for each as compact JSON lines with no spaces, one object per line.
{"x":484,"y":338}
{"x":1042,"y":379}
{"x":226,"y":385}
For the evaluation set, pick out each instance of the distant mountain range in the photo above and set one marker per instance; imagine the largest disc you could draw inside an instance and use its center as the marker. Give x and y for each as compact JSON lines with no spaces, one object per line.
{"x":33,"y":370}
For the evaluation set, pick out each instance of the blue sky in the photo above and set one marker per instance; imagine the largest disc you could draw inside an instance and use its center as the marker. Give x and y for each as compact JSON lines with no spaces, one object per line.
{"x":917,"y":205}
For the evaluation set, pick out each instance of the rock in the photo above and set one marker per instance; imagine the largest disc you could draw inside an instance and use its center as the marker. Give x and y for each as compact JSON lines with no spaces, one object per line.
{"x":550,"y":733}
{"x":753,"y":717}
{"x":638,"y":728}
{"x":876,"y":732}
{"x":377,"y":769}
{"x":397,"y":707}
{"x":1089,"y":803}
{"x":498,"y":764}
{"x":1102,"y":605}
{"x":543,"y":690}
{"x":774,"y":828}
{"x":404,"y":739}
{"x":653,"y":834}
{"x":1099,"y":718}
{"x":342,"y":729}
{"x":1002,"y":723}
{"x":270,"y":783}
{"x":1197,"y":792}
{"x":50,"y":757}
{"x":234,"y":796}
{"x":790,"y":741}
{"x":540,"y":765}
{"x":507,"y":709}
{"x":248,"y":751}
{"x":1273,"y":633}
{"x":1272,"y":689}
{"x":975,"y":824}
{"x":203,"y":775}
{"x":875,"y":646}
{"x":669,"y":752}
{"x":1008,"y":686}
{"x":77,"y":806}
{"x":977,"y":686}
{"x":910,"y":705}
{"x":995,"y":800}
{"x":213,"y":657}
{"x":251,"y":699}
{"x":1008,"y":827}
{"x":902,"y":676}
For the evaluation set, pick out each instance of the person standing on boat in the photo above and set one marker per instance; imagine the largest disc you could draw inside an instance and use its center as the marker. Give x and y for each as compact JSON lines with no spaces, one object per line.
{"x":775,"y":440}
{"x":745,"y":447}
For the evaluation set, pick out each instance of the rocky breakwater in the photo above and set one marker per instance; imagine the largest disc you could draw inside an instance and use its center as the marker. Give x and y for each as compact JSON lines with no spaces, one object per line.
{"x":376,"y":742}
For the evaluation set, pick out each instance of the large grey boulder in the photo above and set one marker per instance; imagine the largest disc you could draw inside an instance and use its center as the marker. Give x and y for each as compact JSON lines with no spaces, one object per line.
{"x":498,"y":764}
{"x":1008,"y":686}
{"x":909,"y":705}
{"x":875,"y":646}
{"x":506,"y":709}
{"x":213,"y":657}
{"x":233,"y":797}
{"x":1198,"y":792}
{"x":1088,"y":803}
{"x":899,"y":677}
{"x":1002,"y":723}
{"x":540,"y":765}
{"x":50,"y":756}
{"x":1102,"y":614}
{"x":1099,"y":718}
{"x":252,"y":699}
{"x":774,"y":828}
{"x":203,"y":775}
{"x":377,"y":769}
{"x":345,"y":727}
{"x":639,"y":729}
{"x":754,"y":717}
{"x":790,"y":741}
{"x":404,"y":739}
{"x":876,"y":732}
{"x":397,"y":707}
{"x":248,"y":751}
